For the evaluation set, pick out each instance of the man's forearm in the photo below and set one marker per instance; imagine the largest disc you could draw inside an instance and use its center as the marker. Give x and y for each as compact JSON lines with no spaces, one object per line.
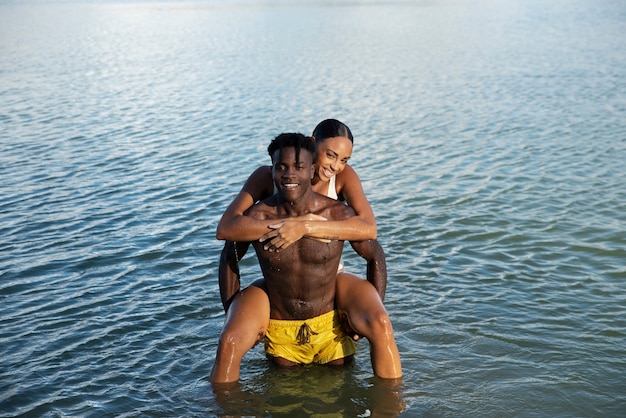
{"x":377,"y":269}
{"x":229,"y":278}
{"x":373,"y":253}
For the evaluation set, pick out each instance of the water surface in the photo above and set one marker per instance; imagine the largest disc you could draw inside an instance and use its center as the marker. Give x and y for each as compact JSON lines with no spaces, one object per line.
{"x":491,"y":141}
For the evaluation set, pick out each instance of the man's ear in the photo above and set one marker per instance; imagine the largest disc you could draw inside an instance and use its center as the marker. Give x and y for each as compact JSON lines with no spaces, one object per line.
{"x":312,"y":171}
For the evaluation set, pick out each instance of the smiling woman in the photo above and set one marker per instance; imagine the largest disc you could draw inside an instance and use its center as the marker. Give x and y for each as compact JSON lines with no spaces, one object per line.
{"x":333,"y":153}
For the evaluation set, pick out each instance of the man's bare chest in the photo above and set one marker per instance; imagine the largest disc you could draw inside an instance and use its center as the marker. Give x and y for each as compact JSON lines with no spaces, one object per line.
{"x":304,"y":254}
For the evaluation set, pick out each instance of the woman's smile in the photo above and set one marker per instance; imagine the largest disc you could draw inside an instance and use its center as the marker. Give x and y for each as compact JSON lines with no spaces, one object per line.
{"x":333,"y":155}
{"x":327,"y":172}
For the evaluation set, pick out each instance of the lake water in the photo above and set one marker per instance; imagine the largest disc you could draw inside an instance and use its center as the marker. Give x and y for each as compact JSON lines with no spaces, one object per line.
{"x":490,"y":138}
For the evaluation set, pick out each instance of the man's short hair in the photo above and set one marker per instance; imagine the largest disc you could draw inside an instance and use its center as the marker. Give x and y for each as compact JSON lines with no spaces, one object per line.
{"x":292,"y":139}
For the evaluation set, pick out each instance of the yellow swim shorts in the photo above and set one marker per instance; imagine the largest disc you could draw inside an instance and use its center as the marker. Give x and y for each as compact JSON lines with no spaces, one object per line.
{"x":315,"y":340}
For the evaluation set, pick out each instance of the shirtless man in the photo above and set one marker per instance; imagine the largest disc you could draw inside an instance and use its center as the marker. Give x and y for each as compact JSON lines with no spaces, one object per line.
{"x":304,"y":326}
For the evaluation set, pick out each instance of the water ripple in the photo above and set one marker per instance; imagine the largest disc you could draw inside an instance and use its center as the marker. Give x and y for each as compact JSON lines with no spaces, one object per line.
{"x":490,"y":141}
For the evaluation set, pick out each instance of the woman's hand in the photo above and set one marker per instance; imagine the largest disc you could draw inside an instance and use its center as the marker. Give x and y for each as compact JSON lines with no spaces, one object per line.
{"x":288,"y":231}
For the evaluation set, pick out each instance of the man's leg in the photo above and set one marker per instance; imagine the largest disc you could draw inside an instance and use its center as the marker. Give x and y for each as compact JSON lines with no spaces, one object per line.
{"x":361,"y":302}
{"x":246,"y":321}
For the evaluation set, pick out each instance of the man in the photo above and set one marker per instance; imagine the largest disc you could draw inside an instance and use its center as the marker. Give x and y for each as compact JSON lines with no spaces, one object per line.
{"x":300,"y":281}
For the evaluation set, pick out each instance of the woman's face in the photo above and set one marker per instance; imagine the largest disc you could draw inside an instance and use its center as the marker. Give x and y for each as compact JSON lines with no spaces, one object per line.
{"x":332,"y":156}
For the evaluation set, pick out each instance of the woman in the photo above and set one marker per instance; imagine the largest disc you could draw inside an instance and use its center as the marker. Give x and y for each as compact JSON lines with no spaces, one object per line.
{"x":248,"y":310}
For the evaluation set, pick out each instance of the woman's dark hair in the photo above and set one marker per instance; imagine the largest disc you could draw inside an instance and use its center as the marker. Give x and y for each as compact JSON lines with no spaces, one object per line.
{"x":331,"y":128}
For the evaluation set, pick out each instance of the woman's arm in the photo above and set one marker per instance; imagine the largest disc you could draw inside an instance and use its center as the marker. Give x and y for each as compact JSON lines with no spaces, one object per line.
{"x":234,"y":226}
{"x":357,"y":228}
{"x":349,"y":185}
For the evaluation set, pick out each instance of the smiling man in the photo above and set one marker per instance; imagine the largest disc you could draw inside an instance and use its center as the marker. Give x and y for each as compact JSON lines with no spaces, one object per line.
{"x":304,"y":326}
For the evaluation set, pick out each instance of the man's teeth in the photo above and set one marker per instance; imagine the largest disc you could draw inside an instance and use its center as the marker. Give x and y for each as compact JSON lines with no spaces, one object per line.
{"x":290,"y":185}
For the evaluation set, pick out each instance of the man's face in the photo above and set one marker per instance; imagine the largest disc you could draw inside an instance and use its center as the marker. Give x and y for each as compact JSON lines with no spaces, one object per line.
{"x":292,"y":179}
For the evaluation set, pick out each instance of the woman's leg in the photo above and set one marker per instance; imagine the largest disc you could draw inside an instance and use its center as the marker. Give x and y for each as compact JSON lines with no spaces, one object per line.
{"x":367,"y":315}
{"x":246,"y":321}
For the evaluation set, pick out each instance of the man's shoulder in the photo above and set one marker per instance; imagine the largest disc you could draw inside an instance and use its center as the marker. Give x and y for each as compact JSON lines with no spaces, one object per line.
{"x":334,"y":209}
{"x":263,"y":208}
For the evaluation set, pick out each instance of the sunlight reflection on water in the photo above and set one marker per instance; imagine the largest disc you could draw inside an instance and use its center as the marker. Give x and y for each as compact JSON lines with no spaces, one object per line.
{"x":490,"y":140}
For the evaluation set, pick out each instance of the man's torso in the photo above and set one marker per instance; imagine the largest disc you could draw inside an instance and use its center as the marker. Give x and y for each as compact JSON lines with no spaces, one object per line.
{"x":301,"y":278}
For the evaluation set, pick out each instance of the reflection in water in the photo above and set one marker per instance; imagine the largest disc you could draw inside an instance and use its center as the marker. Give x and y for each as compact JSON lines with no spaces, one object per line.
{"x":310,"y":391}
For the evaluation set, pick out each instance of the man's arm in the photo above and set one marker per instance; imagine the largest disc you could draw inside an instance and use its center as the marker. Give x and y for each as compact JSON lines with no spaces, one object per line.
{"x":373,"y":253}
{"x":229,"y":278}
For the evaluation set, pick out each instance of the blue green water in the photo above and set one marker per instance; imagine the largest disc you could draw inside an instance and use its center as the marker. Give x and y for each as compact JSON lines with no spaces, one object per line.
{"x":491,"y":141}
